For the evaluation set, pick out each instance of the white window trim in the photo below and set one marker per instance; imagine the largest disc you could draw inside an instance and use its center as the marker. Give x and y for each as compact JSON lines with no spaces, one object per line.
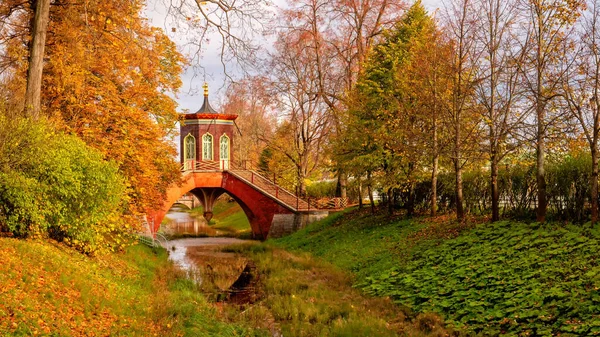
{"x":212,"y":145}
{"x":186,"y":155}
{"x":224,"y":136}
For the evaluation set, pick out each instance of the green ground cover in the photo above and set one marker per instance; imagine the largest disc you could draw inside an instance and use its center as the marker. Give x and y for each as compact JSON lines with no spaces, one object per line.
{"x":505,"y":278}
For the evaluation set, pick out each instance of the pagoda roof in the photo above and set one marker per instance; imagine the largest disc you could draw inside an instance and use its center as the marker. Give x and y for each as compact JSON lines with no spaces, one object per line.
{"x":207,"y":111}
{"x":206,"y":108}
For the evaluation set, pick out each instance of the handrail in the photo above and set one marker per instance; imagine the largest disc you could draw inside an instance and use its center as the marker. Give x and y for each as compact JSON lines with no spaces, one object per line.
{"x":201,"y":165}
{"x":246,"y":165}
{"x":280,"y":193}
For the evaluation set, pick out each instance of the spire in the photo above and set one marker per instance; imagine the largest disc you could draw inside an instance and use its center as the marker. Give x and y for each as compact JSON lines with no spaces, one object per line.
{"x":206,"y":108}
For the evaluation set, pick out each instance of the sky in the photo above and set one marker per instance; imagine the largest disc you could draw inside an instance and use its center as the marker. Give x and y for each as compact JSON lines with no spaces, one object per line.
{"x":190,"y":96}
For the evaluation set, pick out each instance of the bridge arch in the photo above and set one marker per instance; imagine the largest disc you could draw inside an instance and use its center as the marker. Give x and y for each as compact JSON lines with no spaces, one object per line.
{"x":261,"y":209}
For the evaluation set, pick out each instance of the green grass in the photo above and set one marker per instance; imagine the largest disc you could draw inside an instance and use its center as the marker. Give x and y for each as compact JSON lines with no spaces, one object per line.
{"x":228,"y":217}
{"x":505,"y":278}
{"x":304,"y":296}
{"x":48,"y":289}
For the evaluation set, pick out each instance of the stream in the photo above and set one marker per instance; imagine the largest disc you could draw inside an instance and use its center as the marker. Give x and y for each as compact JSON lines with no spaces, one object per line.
{"x":202,"y":258}
{"x":180,"y":222}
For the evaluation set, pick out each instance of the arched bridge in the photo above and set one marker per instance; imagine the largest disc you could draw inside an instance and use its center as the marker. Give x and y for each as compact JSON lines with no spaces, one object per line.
{"x":271,"y":210}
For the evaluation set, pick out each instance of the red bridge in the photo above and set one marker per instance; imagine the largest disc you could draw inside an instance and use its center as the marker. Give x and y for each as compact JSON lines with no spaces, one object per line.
{"x":270,"y":209}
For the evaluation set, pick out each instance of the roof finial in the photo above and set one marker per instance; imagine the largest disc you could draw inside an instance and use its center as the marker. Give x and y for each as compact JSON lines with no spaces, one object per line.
{"x":205,"y":86}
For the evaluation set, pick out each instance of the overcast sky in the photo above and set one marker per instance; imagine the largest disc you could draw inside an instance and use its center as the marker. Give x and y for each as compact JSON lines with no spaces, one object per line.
{"x":190,"y":95}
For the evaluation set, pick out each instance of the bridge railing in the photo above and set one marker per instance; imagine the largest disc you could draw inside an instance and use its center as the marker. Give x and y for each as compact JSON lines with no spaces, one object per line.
{"x":201,"y":165}
{"x":293,"y":199}
{"x":254,"y":177}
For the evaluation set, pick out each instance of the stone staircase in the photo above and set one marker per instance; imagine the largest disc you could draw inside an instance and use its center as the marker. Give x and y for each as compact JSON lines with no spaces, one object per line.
{"x":273,"y":190}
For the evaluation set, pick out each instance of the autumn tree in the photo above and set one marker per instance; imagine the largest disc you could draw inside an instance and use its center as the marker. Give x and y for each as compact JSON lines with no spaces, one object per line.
{"x":550,"y":22}
{"x":305,"y":121}
{"x":250,"y":99}
{"x":499,"y":92}
{"x":461,"y":119}
{"x":107,"y":78}
{"x":429,"y":83}
{"x":389,"y":111}
{"x":341,"y":33}
{"x":581,"y":87}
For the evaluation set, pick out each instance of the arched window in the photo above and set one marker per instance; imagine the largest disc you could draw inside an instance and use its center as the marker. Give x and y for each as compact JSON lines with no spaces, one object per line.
{"x":189,"y":148}
{"x":224,"y":148}
{"x":207,"y":147}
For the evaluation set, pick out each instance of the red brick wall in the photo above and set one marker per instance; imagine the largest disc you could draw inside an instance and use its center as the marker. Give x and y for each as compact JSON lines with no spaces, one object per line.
{"x":216,"y":130}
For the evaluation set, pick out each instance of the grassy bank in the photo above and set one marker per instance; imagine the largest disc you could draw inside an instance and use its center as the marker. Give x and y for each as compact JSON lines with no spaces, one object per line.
{"x":508,"y":277}
{"x":47,"y":289}
{"x":303,"y":296}
{"x":228,"y":217}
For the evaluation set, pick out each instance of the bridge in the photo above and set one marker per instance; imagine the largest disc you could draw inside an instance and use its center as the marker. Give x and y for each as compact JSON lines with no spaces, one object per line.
{"x":271,"y":210}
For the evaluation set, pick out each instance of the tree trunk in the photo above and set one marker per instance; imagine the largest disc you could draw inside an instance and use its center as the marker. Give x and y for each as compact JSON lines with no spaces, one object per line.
{"x":460,"y":212}
{"x":495,"y":192}
{"x":360,"y":195}
{"x":301,"y":184}
{"x":434,"y":170}
{"x":342,"y":184}
{"x":541,"y":173}
{"x":434,"y":174}
{"x":594,"y":182}
{"x":370,"y":191}
{"x":540,"y":134}
{"x":411,"y":199}
{"x":390,"y":195}
{"x":36,"y":59}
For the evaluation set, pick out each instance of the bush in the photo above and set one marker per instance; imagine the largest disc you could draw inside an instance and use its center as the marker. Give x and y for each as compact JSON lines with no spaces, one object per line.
{"x":321,"y":189}
{"x":54,"y":184}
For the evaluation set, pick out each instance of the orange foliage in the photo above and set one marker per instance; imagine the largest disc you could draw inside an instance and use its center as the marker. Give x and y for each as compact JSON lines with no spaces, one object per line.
{"x":108,"y":78}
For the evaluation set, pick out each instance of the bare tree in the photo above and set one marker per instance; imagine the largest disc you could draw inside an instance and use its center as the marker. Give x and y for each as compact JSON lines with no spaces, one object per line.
{"x":302,"y":132}
{"x":236,"y":26}
{"x":250,"y":99}
{"x":461,"y":27}
{"x":550,"y":21}
{"x":498,"y":91}
{"x":581,"y":87}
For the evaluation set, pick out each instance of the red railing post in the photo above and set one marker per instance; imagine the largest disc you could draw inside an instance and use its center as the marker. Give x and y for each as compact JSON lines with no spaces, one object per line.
{"x":252,"y":178}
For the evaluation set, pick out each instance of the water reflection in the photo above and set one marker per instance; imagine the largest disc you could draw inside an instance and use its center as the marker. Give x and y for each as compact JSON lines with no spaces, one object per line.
{"x":182,"y":223}
{"x":203,"y":260}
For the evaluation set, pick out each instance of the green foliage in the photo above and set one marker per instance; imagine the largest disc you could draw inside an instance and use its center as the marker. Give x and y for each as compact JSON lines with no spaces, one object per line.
{"x":378,"y":137}
{"x":567,"y":179}
{"x":503,"y":278}
{"x":54,"y":184}
{"x":321,"y":189}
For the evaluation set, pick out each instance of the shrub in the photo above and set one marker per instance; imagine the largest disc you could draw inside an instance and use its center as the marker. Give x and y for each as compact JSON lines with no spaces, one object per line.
{"x":54,"y":184}
{"x":321,"y":189}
